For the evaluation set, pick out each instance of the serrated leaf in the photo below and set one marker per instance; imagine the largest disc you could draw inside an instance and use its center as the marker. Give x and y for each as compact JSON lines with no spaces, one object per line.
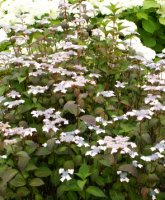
{"x":42,"y":151}
{"x":129,"y":168}
{"x":23,"y":159}
{"x":83,"y":171}
{"x":18,"y":181}
{"x":81,"y":184}
{"x":73,"y":108}
{"x":116,"y":195}
{"x":21,"y":79}
{"x":89,"y":119}
{"x":9,"y":174}
{"x":95,"y":191}
{"x":42,"y":172}
{"x":36,"y":182}
{"x":22,"y":192}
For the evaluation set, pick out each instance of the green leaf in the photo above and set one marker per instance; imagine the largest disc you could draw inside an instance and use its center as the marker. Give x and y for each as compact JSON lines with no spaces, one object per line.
{"x":42,"y":151}
{"x":149,"y":26}
{"x":73,"y":108}
{"x":18,"y":181}
{"x":81,"y":184}
{"x":21,"y":79}
{"x":55,"y":178}
{"x":2,"y":90}
{"x":89,"y":119}
{"x":9,"y":174}
{"x":31,"y":167}
{"x":22,"y":192}
{"x":95,"y":191}
{"x":116,"y":195}
{"x":35,"y":182}
{"x":23,"y":159}
{"x":83,"y":171}
{"x":162,"y":20}
{"x":149,"y":41}
{"x":42,"y":172}
{"x":128,"y":168}
{"x":150,"y":4}
{"x":142,"y":15}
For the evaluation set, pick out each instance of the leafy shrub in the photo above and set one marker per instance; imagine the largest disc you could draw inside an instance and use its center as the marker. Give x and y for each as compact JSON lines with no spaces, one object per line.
{"x":82,"y":116}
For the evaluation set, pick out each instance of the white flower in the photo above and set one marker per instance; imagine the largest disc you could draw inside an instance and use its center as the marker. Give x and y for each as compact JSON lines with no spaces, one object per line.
{"x":10,"y":142}
{"x":20,"y":131}
{"x":37,"y":89}
{"x":122,"y":117}
{"x":45,"y":145}
{"x":80,"y":141}
{"x":94,"y":150}
{"x":97,"y":129}
{"x":98,"y":33}
{"x":151,"y":98}
{"x":102,"y":121}
{"x":144,"y":52}
{"x":135,"y":163}
{"x":157,"y":106}
{"x":153,"y":193}
{"x":152,"y":157}
{"x":140,"y":114}
{"x":120,"y":84}
{"x":106,"y":93}
{"x":37,"y":73}
{"x":68,"y":136}
{"x":11,"y":104}
{"x":123,"y":176}
{"x":3,"y":35}
{"x":46,"y":113}
{"x":49,"y":125}
{"x":160,"y":146}
{"x":13,"y":94}
{"x":3,"y":156}
{"x":119,"y":143}
{"x":65,"y":174}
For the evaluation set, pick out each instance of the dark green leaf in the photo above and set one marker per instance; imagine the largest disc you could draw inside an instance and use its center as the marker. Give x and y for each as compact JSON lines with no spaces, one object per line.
{"x":95,"y":191}
{"x":42,"y":172}
{"x":18,"y":181}
{"x":35,"y":182}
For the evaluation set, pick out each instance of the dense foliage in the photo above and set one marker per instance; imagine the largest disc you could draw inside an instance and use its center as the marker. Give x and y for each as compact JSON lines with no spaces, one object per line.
{"x":82,"y":108}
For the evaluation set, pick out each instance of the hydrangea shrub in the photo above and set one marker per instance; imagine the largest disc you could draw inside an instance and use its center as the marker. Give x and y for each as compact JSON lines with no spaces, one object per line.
{"x":82,"y":108}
